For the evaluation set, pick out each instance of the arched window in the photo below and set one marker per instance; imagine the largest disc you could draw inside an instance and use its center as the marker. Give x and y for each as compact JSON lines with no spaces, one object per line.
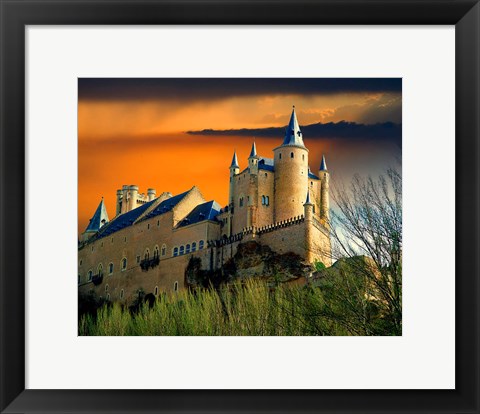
{"x":291,"y":155}
{"x":146,"y":255}
{"x":194,"y":246}
{"x":89,"y":275}
{"x":164,"y":249}
{"x":182,"y":250}
{"x":240,"y":202}
{"x":110,"y":268}
{"x":155,"y":292}
{"x":124,"y":264}
{"x":187,"y":249}
{"x":267,"y":200}
{"x":156,"y":252}
{"x":175,"y":286}
{"x":200,"y":245}
{"x":100,"y":269}
{"x":175,"y":251}
{"x":263,"y":200}
{"x":122,"y":294}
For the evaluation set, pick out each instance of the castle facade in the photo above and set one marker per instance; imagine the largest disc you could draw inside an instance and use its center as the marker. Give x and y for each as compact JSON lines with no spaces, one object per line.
{"x":146,"y":247}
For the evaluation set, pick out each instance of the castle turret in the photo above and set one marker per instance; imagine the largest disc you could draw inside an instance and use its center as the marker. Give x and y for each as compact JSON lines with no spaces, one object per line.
{"x":234,"y":170}
{"x":253,"y":160}
{"x":324,"y":191}
{"x":119,"y":202}
{"x":291,"y":172}
{"x":308,"y":207}
{"x":132,"y":197}
{"x":151,"y":192}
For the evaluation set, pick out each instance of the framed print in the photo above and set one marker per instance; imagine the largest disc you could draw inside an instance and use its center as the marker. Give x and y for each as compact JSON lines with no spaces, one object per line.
{"x":268,"y":207}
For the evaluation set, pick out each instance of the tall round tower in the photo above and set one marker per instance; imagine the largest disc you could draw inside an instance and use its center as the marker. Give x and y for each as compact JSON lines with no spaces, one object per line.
{"x":291,"y":173}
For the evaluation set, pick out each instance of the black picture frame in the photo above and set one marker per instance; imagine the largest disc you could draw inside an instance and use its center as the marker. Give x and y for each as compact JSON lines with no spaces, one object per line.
{"x":15,"y":15}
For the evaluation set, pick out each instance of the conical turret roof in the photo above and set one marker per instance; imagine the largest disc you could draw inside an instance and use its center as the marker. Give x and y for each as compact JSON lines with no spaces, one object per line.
{"x":293,"y":134}
{"x":99,"y":219}
{"x":323,"y":164}
{"x":307,"y":201}
{"x":234,"y":163}
{"x":253,"y":152}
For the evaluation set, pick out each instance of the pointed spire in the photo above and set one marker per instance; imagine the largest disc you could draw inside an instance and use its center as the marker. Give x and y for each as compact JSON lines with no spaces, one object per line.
{"x":253,"y":152}
{"x":293,"y":134}
{"x":234,"y":163}
{"x":323,"y":164}
{"x":99,"y":219}
{"x":307,"y":201}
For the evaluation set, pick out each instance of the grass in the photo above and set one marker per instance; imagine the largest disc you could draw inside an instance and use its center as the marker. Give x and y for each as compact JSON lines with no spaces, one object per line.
{"x":248,"y":308}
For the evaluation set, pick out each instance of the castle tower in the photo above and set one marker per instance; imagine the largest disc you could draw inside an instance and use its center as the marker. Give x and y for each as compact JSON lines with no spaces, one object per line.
{"x":132,"y":197}
{"x":291,"y":173}
{"x":252,"y":187}
{"x":253,"y":160}
{"x":308,"y":212}
{"x":151,"y":192}
{"x":324,"y":191}
{"x":234,"y":170}
{"x":119,"y":202}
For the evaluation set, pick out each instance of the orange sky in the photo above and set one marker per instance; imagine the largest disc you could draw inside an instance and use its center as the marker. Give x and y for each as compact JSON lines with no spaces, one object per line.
{"x":142,"y":142}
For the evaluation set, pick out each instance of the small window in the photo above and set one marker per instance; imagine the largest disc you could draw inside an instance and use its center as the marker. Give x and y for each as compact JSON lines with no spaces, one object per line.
{"x":280,"y":156}
{"x":267,"y":200}
{"x":156,"y":252}
{"x":125,"y":239}
{"x":194,"y":246}
{"x":122,"y":293}
{"x":263,"y":200}
{"x":240,"y":202}
{"x":158,"y":223}
{"x":89,"y":275}
{"x":164,"y":250}
{"x":110,"y":268}
{"x":200,"y":245}
{"x":175,"y":252}
{"x":291,"y":155}
{"x":155,"y":292}
{"x":107,"y":297}
{"x":187,"y":249}
{"x":148,"y":226}
{"x":92,"y":248}
{"x":182,"y":250}
{"x":266,"y":175}
{"x":175,"y":286}
{"x":311,"y":183}
{"x":112,"y":239}
{"x":101,"y":245}
{"x":146,"y":255}
{"x":303,"y":157}
{"x":124,"y":263}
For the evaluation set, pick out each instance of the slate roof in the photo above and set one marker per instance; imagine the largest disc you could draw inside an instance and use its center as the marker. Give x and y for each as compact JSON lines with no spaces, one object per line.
{"x":166,"y":205}
{"x":123,"y":220}
{"x":293,"y":135}
{"x":234,"y":160}
{"x":99,"y":219}
{"x":253,"y":152}
{"x":205,"y":211}
{"x":266,"y":164}
{"x":323,"y":165}
{"x":311,"y":175}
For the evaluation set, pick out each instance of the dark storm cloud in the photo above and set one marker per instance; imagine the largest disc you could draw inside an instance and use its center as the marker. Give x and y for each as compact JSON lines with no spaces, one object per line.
{"x":191,"y":89}
{"x":387,"y":131}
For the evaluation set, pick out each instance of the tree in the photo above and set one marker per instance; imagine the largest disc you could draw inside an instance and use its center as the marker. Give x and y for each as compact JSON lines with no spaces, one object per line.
{"x":367,"y":221}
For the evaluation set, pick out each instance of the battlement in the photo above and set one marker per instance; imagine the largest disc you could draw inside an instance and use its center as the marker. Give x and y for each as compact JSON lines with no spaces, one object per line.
{"x":128,"y":198}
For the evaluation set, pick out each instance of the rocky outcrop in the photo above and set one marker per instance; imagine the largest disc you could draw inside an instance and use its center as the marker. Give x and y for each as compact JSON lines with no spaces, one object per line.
{"x":252,"y":259}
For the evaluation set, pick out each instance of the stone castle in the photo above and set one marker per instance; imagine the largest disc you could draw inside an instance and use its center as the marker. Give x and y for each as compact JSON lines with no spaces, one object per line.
{"x":277,"y":202}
